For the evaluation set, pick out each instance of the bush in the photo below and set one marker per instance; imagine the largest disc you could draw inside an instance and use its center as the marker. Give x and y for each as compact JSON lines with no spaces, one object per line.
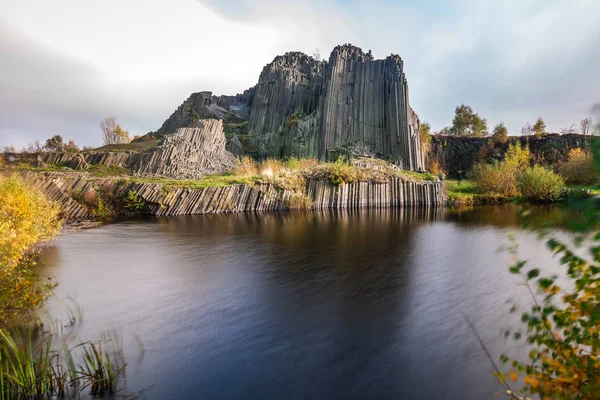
{"x":26,"y":218}
{"x":518,"y":157}
{"x":499,"y":178}
{"x":540,"y":184}
{"x":579,"y":169}
{"x":340,"y":173}
{"x":134,"y":202}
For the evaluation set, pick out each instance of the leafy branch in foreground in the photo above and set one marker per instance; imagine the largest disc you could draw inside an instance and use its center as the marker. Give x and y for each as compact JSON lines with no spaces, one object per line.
{"x":563,"y":324}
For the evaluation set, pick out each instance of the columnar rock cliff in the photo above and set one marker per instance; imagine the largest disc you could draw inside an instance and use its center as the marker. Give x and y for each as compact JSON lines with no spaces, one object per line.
{"x":188,"y":153}
{"x":66,"y":187}
{"x":204,"y":105}
{"x":351,"y":104}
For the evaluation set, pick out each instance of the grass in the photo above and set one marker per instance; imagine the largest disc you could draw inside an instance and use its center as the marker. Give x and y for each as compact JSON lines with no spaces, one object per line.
{"x":466,"y":192}
{"x":103,"y":171}
{"x":136,"y":147}
{"x":217,"y":180}
{"x":594,"y":188}
{"x":32,"y":367}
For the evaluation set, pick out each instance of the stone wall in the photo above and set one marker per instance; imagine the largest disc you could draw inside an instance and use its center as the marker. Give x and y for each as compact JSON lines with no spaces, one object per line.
{"x":456,"y":154}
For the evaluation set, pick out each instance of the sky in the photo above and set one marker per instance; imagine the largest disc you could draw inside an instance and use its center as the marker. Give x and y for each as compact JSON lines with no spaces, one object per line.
{"x":67,"y":64}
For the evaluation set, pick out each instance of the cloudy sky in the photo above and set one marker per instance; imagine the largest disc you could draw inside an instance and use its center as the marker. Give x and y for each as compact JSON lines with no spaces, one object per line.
{"x":66,"y":64}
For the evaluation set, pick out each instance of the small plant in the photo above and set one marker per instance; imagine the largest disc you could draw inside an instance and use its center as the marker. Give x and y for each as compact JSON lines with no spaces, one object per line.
{"x":133,"y":201}
{"x":497,"y":178}
{"x":540,"y":184}
{"x":103,"y":210}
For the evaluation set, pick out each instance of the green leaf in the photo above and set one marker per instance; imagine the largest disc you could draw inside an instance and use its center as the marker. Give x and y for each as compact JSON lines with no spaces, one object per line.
{"x":534,"y":273}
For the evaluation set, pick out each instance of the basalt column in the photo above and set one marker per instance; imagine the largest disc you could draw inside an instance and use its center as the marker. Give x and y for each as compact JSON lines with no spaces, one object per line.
{"x":365,"y":103}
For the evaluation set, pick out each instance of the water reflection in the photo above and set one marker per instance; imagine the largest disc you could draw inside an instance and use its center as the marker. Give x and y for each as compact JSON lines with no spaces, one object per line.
{"x":298,"y":305}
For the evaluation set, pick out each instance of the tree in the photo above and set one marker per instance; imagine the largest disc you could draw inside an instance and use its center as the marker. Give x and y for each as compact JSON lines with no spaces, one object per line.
{"x":55,"y":143}
{"x":112,"y":133}
{"x":539,"y":128}
{"x":586,"y":126}
{"x":527,"y":130}
{"x":468,"y":123}
{"x":568,"y":130}
{"x":34,"y":147}
{"x":425,"y":132}
{"x":443,"y":132}
{"x":500,"y":133}
{"x":71,"y":147}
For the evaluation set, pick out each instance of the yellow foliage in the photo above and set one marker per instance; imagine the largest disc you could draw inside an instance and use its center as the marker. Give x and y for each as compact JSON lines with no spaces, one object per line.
{"x":26,"y":218}
{"x":579,"y":169}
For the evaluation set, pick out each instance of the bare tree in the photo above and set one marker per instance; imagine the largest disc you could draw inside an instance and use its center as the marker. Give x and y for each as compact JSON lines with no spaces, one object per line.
{"x":586,"y":126}
{"x":527,"y":130}
{"x":112,"y":133}
{"x":34,"y":147}
{"x":568,"y":130}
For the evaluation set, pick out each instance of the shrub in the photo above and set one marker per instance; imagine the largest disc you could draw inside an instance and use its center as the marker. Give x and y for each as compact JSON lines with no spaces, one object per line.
{"x":134,"y":202}
{"x":579,"y":169}
{"x":498,"y":178}
{"x":246,"y":167}
{"x":296,"y":164}
{"x":26,"y":218}
{"x":540,"y":184}
{"x":340,"y":173}
{"x":272,"y":167}
{"x":518,"y":157}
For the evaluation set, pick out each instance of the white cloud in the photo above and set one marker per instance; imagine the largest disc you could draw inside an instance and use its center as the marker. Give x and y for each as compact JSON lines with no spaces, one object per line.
{"x":73,"y":62}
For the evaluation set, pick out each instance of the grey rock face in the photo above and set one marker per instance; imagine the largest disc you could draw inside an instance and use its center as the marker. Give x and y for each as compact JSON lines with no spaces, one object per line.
{"x":234,"y":146}
{"x":189,"y":153}
{"x":304,"y":107}
{"x":204,"y":105}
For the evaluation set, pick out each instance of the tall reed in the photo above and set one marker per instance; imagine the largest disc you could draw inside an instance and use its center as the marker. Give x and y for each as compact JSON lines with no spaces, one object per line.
{"x":31,"y":367}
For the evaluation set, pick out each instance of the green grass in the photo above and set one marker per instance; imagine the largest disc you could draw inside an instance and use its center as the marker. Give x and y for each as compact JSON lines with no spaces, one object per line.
{"x":136,"y":147}
{"x":594,"y":188}
{"x":218,"y":180}
{"x":103,"y":171}
{"x":466,"y":192}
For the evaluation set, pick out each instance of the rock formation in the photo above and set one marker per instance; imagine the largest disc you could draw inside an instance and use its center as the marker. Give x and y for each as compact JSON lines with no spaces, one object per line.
{"x":204,"y":105}
{"x":189,"y":153}
{"x":351,"y":104}
{"x":63,"y":187}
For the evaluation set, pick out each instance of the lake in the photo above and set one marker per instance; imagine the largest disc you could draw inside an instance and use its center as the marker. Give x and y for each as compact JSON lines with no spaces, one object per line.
{"x":333,"y":305}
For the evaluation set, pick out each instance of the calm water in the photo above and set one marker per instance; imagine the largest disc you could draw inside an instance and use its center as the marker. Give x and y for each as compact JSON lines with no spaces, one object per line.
{"x":321,"y":306}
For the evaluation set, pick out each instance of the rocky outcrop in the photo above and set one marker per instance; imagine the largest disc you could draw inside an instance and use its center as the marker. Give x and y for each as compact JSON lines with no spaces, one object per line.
{"x":81,"y":161}
{"x":189,"y":153}
{"x":234,"y":146}
{"x":204,"y":105}
{"x":351,"y":104}
{"x":66,"y":187}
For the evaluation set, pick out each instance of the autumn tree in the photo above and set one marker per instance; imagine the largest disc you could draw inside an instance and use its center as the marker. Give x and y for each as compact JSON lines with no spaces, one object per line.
{"x":26,"y":218}
{"x":586,"y":126}
{"x":55,"y":143}
{"x":425,"y":132}
{"x":112,"y":132}
{"x":468,"y":123}
{"x":500,"y":134}
{"x":539,"y":128}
